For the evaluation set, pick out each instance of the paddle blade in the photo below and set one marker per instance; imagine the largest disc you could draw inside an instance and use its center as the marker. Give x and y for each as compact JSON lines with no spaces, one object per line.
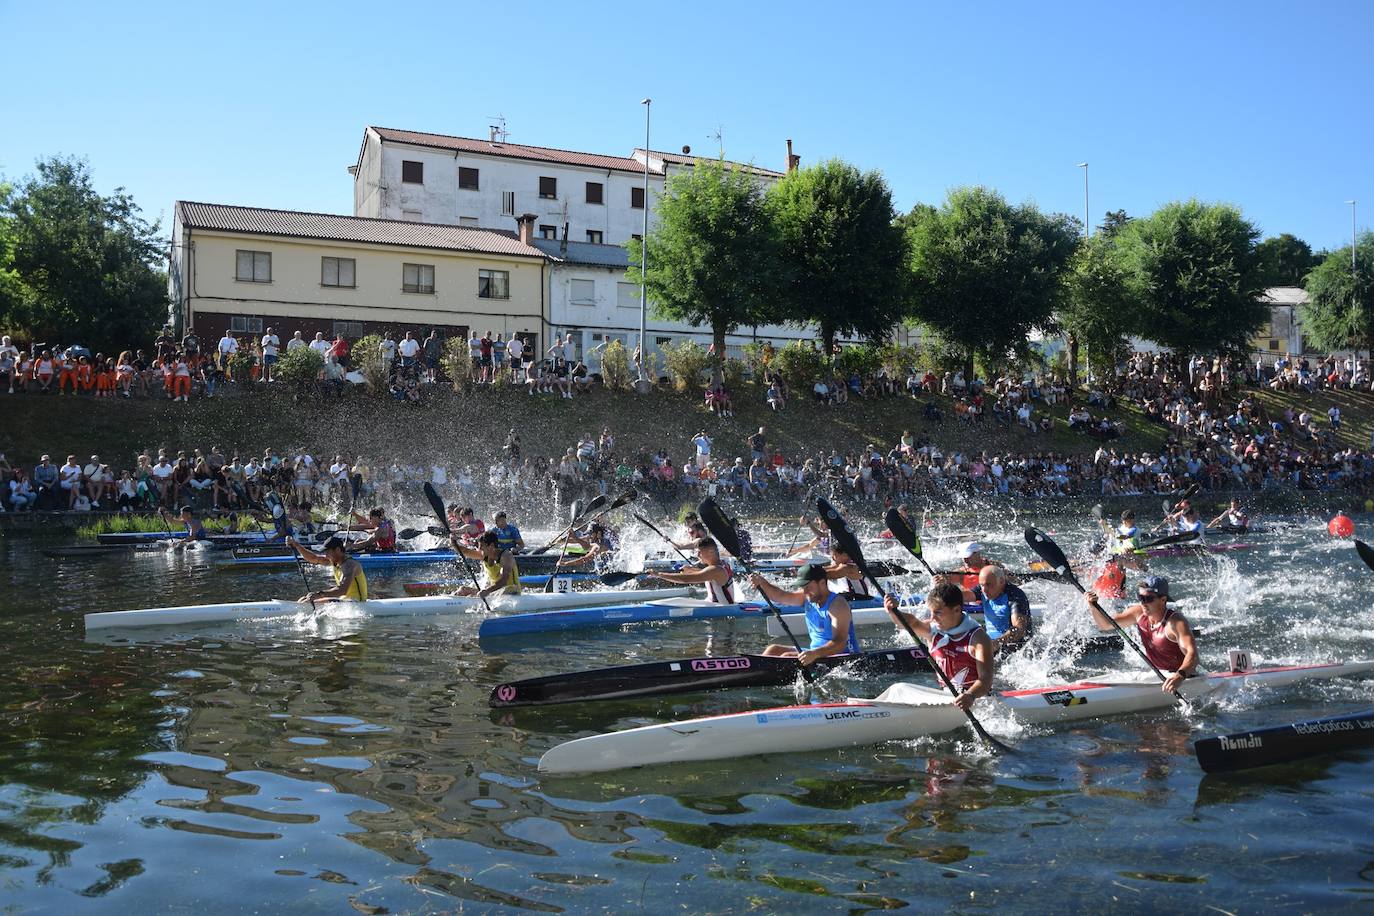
{"x":1180,"y":538}
{"x":719,"y":525}
{"x":576,"y":512}
{"x":1049,"y":551}
{"x":617,"y":578}
{"x":1366,"y":552}
{"x":406,"y":534}
{"x":628,"y":496}
{"x":437,"y":505}
{"x":840,"y":533}
{"x":902,"y":532}
{"x":436,"y":531}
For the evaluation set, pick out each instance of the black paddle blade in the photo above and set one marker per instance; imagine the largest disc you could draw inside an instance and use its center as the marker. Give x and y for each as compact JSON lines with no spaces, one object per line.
{"x":406,"y":534}
{"x":1366,"y":552}
{"x":902,"y":532}
{"x":437,"y":505}
{"x":436,"y":531}
{"x":617,"y":578}
{"x":719,"y":525}
{"x":628,"y":496}
{"x":1049,"y":551}
{"x":1180,"y":538}
{"x":840,"y":532}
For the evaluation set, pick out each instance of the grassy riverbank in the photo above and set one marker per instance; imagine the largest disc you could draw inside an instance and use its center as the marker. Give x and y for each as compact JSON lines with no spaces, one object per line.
{"x":463,"y":428}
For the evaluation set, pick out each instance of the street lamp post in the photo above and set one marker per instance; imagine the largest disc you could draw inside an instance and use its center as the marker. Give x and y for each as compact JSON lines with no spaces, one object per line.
{"x":1087,"y":226}
{"x":1352,"y":236}
{"x":644,"y":256}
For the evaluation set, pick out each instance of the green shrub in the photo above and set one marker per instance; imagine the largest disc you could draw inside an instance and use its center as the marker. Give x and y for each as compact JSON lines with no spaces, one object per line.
{"x":897,"y":359}
{"x":240,"y":367}
{"x":300,"y":367}
{"x":615,"y":366}
{"x":457,"y":362}
{"x":733,"y":372}
{"x":799,"y":365}
{"x":686,"y":361}
{"x":756,"y":356}
{"x":863,"y":359}
{"x":367,"y":359}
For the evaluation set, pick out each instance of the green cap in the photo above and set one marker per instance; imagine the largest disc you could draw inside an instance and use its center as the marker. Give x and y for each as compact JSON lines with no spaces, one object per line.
{"x":811,"y":572}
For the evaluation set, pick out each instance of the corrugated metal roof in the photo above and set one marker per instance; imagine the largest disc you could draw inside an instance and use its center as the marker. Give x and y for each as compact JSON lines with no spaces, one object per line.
{"x":1284,"y":295}
{"x":299,"y":224}
{"x":510,"y":150}
{"x":584,"y":253}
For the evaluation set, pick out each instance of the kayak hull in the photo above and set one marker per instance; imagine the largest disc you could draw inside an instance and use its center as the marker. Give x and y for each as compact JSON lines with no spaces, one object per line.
{"x":903,"y":711}
{"x":1285,"y":743}
{"x":381,"y":607}
{"x":616,"y":615}
{"x":1192,"y":550}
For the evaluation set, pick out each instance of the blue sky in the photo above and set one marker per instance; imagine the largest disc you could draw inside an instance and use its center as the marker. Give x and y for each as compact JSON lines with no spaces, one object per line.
{"x":1262,"y":104}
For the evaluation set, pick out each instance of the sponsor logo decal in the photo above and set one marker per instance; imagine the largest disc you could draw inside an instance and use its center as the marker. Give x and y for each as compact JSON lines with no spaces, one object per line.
{"x":1240,"y":744}
{"x":505,"y":693}
{"x":720,"y":664}
{"x":1064,"y":698}
{"x":1328,"y":728}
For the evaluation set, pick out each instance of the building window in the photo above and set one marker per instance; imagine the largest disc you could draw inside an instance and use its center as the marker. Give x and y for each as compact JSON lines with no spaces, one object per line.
{"x":595,"y":236}
{"x":467,"y":178}
{"x":493,"y":284}
{"x":548,"y":187}
{"x":507,"y":203}
{"x":469,"y":221}
{"x":417,"y":278}
{"x":243,"y":324}
{"x":662,"y":342}
{"x":412,"y":172}
{"x":1273,"y":344}
{"x":636,"y":237}
{"x":548,"y":232}
{"x":353,"y":329}
{"x":627,"y":295}
{"x":253,"y":266}
{"x":637,"y":198}
{"x":595,"y":190}
{"x":582,"y":292}
{"x":338,"y":272}
{"x":411,"y":216}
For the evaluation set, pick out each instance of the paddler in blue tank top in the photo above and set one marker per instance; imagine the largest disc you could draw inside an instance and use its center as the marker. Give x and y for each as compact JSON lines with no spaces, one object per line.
{"x":829,"y":622}
{"x":1005,"y":608}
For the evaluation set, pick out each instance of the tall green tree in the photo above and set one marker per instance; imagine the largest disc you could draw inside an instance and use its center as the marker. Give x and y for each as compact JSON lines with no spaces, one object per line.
{"x":1197,"y":280}
{"x":843,"y":257}
{"x":1285,"y":260}
{"x":1340,"y":308}
{"x":985,"y":273}
{"x":88,"y":266}
{"x":1099,"y":308}
{"x":1113,"y":222}
{"x":713,"y":257}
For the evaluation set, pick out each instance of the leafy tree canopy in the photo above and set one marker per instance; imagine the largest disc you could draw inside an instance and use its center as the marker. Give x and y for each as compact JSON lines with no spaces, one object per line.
{"x":1285,"y":260}
{"x":1340,"y":310}
{"x":1100,"y":308}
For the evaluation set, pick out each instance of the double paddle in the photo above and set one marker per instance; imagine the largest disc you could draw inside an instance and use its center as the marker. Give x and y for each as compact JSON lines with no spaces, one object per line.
{"x":903,"y":534}
{"x":437,"y":505}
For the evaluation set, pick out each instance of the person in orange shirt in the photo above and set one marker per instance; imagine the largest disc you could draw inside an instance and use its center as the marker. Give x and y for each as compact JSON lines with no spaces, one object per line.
{"x":181,"y":380}
{"x":169,"y":366}
{"x":67,"y":373}
{"x":85,"y":374}
{"x":105,"y":380}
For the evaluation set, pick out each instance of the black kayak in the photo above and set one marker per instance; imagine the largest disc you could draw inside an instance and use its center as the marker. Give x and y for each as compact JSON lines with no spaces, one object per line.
{"x":689,"y":675}
{"x":82,"y":551}
{"x":1284,"y":743}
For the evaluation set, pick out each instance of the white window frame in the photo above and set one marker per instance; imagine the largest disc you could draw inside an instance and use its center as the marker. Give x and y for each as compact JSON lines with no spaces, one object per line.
{"x":495,"y":279}
{"x":507,"y":203}
{"x":245,"y":324}
{"x":418,"y":286}
{"x":260,"y":266}
{"x":338,"y":266}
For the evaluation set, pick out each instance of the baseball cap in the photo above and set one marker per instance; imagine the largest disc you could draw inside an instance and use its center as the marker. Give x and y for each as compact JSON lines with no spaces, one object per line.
{"x":1157,"y":584}
{"x":811,"y":572}
{"x":969,"y":548}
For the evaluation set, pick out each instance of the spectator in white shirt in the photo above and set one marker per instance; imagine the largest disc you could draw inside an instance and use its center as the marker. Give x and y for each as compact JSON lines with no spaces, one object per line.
{"x":270,"y":345}
{"x":228,"y":346}
{"x":319,"y":344}
{"x":388,"y":350}
{"x":295,"y":343}
{"x":516,"y":352}
{"x":69,"y":479}
{"x":408,"y":348}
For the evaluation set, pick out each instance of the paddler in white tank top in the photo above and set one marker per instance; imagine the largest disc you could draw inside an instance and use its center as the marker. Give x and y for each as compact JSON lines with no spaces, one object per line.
{"x":845,"y":577}
{"x":1186,"y":520}
{"x":715,"y":575}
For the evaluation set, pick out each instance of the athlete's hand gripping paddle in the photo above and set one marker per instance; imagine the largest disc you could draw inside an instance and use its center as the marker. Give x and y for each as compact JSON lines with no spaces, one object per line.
{"x":437,"y":505}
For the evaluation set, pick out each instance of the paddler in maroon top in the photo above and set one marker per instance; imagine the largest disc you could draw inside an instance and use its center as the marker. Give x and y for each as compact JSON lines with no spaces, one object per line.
{"x":1164,"y":633}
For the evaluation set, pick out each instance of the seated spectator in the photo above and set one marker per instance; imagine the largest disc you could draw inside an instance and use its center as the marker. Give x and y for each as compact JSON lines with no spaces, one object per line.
{"x":821,"y":391}
{"x":775,"y":398}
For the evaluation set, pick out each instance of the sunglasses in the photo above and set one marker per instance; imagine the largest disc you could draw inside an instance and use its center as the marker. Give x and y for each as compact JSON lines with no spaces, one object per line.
{"x":1148,"y":596}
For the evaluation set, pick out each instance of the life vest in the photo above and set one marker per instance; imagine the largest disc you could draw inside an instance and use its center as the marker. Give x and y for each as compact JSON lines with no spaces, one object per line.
{"x":820,"y":627}
{"x":1111,"y":583}
{"x":384,"y":538}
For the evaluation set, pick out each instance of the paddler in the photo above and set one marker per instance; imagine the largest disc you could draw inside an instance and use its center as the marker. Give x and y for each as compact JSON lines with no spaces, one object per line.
{"x":1186,"y":520}
{"x":974,"y":562}
{"x":195,"y":531}
{"x":350,"y":582}
{"x":507,"y":535}
{"x":498,"y":565}
{"x":1125,"y":540}
{"x":600,"y":544}
{"x":715,"y":575}
{"x":1006,"y":609}
{"x":1164,"y":633}
{"x":695,"y":532}
{"x":820,"y":543}
{"x":1233,"y":521}
{"x":957,"y":643}
{"x":1111,"y":582}
{"x":383,"y":539}
{"x":845,"y":576}
{"x":829,"y":622}
{"x":469,"y":526}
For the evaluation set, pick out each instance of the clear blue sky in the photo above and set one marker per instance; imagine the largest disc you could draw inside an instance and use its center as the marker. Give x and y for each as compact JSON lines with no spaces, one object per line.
{"x":1263,"y":104}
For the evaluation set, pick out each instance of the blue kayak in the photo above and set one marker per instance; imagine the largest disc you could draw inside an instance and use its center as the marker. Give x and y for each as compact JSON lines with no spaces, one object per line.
{"x":616,"y":615}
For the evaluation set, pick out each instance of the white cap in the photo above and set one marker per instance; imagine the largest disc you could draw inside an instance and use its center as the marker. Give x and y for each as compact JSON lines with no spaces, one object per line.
{"x":969,"y":548}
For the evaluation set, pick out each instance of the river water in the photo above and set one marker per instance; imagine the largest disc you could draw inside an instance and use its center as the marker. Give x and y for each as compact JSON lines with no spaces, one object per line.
{"x":355,"y":767}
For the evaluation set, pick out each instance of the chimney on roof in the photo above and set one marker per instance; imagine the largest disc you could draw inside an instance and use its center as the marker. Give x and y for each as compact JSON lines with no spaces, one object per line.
{"x":792,"y":161}
{"x":525,"y":227}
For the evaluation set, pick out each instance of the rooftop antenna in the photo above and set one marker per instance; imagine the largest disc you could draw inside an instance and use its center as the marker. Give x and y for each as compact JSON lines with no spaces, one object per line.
{"x":496,"y":132}
{"x":719,"y":136}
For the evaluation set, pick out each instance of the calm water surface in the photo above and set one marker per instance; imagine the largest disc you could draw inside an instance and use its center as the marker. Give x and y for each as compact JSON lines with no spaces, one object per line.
{"x":355,"y":767}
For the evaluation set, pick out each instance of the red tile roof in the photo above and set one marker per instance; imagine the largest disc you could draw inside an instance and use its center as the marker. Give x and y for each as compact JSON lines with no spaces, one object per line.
{"x":687,"y":159}
{"x":298,"y":224}
{"x":511,"y":150}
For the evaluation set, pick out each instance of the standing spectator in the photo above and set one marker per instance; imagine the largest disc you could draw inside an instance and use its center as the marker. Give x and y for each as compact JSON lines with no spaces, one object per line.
{"x":190,"y":343}
{"x":271,"y":343}
{"x":475,"y":355}
{"x":9,"y":360}
{"x":320,"y":345}
{"x":485,"y":357}
{"x":702,"y":442}
{"x":409,"y":349}
{"x":165,"y":344}
{"x":295,"y":343}
{"x":516,"y":353}
{"x":758,"y":446}
{"x":498,"y":359}
{"x":434,"y":351}
{"x":388,"y":351}
{"x":1333,"y":414}
{"x":339,"y":350}
{"x":228,"y":346}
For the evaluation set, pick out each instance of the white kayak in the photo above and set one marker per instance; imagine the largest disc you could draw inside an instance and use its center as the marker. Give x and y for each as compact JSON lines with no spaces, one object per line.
{"x":377,"y":607}
{"x":869,"y":617}
{"x":902,"y":711}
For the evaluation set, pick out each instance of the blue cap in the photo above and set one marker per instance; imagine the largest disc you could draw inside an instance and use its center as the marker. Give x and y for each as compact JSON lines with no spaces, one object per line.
{"x":1157,"y":584}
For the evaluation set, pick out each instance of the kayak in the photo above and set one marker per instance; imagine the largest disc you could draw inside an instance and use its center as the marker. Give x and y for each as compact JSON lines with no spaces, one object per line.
{"x":588,"y":615}
{"x":270,"y":556}
{"x":419,"y":589}
{"x":377,"y":607}
{"x":1192,"y":550}
{"x":85,"y":551}
{"x":136,"y":537}
{"x":690,"y":675}
{"x":901,"y":712}
{"x":1283,"y":743}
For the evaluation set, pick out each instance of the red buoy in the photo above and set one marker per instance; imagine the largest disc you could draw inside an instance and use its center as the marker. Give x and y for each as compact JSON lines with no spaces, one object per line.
{"x":1341,"y":526}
